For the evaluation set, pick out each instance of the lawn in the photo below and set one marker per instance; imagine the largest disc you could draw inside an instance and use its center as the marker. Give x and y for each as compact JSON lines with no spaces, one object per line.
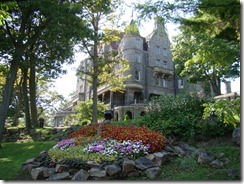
{"x":185,"y":168}
{"x":13,"y":154}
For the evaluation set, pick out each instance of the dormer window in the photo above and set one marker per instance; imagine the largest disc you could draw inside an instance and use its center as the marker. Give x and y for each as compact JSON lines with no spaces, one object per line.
{"x":164,"y":83}
{"x":165,"y":64}
{"x":157,"y":49}
{"x":157,"y":81}
{"x":164,"y":51}
{"x":137,"y":75}
{"x":158,"y":62}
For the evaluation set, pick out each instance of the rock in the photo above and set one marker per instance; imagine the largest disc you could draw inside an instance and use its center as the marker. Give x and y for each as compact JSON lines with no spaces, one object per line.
{"x":217,"y":164}
{"x":234,"y":173}
{"x":92,"y":164}
{"x":80,"y":175}
{"x":220,"y":155}
{"x":37,"y":173}
{"x":143,"y":163}
{"x":153,"y":172}
{"x":97,"y":172}
{"x":169,"y":148}
{"x":161,"y":158}
{"x":205,"y":158}
{"x":128,"y":166}
{"x":60,"y":176}
{"x":183,"y":148}
{"x":113,"y":169}
{"x":47,"y":173}
{"x":29,"y":161}
{"x":236,"y":136}
{"x":135,"y":173}
{"x":61,"y":168}
{"x":150,"y":157}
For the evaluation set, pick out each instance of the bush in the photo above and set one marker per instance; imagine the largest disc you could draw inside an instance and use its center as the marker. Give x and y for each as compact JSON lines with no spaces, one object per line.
{"x":180,"y":115}
{"x":84,"y":111}
{"x":121,"y":133}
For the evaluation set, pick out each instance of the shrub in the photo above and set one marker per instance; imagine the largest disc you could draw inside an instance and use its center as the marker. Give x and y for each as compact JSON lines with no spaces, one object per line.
{"x":84,"y":111}
{"x":177,"y":115}
{"x":182,"y":116}
{"x":227,"y":111}
{"x":121,"y":133}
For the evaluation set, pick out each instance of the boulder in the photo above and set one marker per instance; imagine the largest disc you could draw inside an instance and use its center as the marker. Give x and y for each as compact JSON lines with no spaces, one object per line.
{"x":48,"y":172}
{"x":97,"y":172}
{"x":217,"y":164}
{"x":62,"y":167}
{"x":153,"y":172}
{"x":161,"y":158}
{"x":205,"y":157}
{"x":80,"y":175}
{"x":128,"y":166}
{"x":144,"y":163}
{"x":37,"y":173}
{"x":60,"y":176}
{"x":113,"y":169}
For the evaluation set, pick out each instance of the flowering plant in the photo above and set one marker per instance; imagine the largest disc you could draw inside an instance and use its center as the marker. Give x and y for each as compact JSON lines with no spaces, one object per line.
{"x":112,"y":147}
{"x":64,"y":144}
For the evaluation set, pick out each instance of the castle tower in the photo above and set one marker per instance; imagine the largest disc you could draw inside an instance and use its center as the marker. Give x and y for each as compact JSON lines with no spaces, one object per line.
{"x":131,"y":48}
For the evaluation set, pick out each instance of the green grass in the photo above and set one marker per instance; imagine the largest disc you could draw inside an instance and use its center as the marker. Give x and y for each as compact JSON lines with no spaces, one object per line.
{"x":12,"y":155}
{"x":188,"y":169}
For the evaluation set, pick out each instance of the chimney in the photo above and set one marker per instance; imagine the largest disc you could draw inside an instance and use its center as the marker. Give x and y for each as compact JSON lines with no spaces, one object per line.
{"x":227,"y":86}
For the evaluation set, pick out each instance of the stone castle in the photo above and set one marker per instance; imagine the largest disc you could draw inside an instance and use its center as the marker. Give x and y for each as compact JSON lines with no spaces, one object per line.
{"x":151,"y":70}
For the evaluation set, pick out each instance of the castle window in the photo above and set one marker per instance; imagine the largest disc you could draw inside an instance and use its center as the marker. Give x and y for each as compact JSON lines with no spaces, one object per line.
{"x":180,"y":83}
{"x":157,"y":81}
{"x":164,"y":51}
{"x":158,"y":62}
{"x":165,"y":83}
{"x":157,"y":49}
{"x":165,"y":64}
{"x":137,"y":75}
{"x":138,"y":57}
{"x":138,"y":43}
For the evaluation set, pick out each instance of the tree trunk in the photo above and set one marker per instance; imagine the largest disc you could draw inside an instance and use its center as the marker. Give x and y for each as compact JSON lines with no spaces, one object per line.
{"x":95,"y":74}
{"x":8,"y":88}
{"x":215,"y":84}
{"x":26,"y":100}
{"x":19,"y":103}
{"x":32,"y":83}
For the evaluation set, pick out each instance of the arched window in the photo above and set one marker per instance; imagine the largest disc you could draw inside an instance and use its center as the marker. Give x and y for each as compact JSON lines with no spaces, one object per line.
{"x":128,"y":115}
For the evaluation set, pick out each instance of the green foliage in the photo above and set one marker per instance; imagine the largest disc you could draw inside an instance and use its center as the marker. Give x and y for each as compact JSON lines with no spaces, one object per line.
{"x":84,"y":111}
{"x":227,"y":111}
{"x":178,"y":115}
{"x":182,"y":116}
{"x":78,"y":153}
{"x":131,"y":29}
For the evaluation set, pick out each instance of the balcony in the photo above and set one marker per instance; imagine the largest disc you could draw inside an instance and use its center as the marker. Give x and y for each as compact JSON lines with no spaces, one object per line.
{"x":162,"y":72}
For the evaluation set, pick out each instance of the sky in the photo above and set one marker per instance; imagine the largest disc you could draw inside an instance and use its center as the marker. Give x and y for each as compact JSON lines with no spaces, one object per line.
{"x":66,"y":84}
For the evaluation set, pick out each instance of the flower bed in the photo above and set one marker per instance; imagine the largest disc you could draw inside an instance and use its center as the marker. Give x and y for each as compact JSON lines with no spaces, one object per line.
{"x":116,"y":142}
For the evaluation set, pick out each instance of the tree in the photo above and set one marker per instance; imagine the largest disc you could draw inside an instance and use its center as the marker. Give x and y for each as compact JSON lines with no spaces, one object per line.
{"x":208,"y":48}
{"x":39,"y":29}
{"x":201,"y":58}
{"x":102,"y":64}
{"x":84,"y":111}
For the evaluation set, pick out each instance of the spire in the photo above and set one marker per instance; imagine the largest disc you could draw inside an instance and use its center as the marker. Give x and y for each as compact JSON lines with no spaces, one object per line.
{"x":132,"y":29}
{"x":159,"y":23}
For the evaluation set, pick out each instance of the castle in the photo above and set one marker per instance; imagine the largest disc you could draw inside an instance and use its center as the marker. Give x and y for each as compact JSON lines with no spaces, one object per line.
{"x":151,"y":70}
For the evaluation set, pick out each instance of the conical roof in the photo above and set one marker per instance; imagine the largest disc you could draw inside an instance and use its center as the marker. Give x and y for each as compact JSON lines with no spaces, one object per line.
{"x":132,"y":29}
